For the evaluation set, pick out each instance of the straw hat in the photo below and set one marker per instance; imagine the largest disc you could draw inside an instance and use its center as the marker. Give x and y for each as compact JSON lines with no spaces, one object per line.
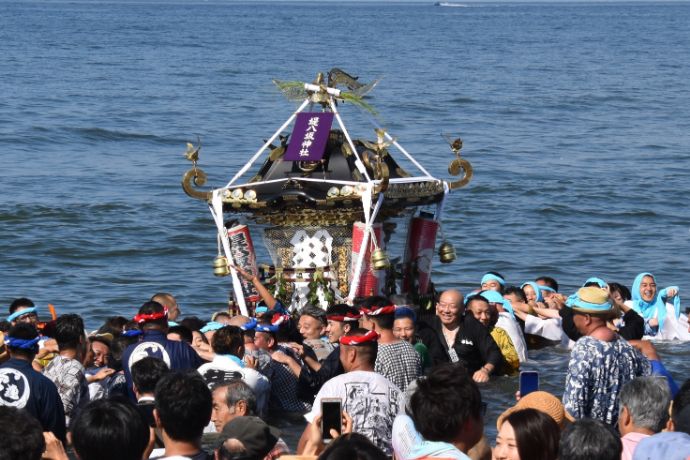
{"x":543,"y":402}
{"x":591,"y":300}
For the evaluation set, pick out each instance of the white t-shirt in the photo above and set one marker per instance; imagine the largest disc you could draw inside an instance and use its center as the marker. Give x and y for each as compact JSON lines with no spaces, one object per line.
{"x":549,"y":328}
{"x":370,"y":399}
{"x":222,"y":369}
{"x":508,"y":324}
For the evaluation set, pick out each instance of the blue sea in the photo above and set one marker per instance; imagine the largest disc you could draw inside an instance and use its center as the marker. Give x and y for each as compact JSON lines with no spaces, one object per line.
{"x":575,"y":116}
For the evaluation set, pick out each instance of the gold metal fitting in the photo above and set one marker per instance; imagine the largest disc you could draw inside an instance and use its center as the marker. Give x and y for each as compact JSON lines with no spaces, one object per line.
{"x":379,"y":259}
{"x":446,"y":252}
{"x":220,"y":266}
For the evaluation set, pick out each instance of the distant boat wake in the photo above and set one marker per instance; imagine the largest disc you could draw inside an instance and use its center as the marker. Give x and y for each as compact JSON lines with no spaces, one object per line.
{"x":451,"y":4}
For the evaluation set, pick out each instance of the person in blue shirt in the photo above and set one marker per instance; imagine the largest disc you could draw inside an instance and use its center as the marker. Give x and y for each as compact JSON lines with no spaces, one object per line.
{"x":24,"y":388}
{"x":153,"y":322}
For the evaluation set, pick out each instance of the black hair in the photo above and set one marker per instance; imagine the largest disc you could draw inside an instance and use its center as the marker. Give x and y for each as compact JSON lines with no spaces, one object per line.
{"x":587,"y":439}
{"x":341,"y":309}
{"x":5,"y":326}
{"x":184,"y":403}
{"x":184,"y":333}
{"x":228,"y":340}
{"x":352,"y":446}
{"x":367,"y":350}
{"x":537,"y":434}
{"x":550,"y":282}
{"x":568,"y":324}
{"x":22,"y":435}
{"x":21,"y":302}
{"x":496,"y":274}
{"x":517,"y":290}
{"x":682,"y":399}
{"x":193,"y":323}
{"x":69,"y":331}
{"x":117,"y":349}
{"x":113,"y":325}
{"x":475,"y":298}
{"x":108,"y":429}
{"x":382,"y":321}
{"x":444,"y":402}
{"x":24,"y":331}
{"x":149,"y":308}
{"x":621,"y":289}
{"x":591,"y":284}
{"x":315,"y":312}
{"x":147,"y":372}
{"x":386,"y":321}
{"x":375,"y":301}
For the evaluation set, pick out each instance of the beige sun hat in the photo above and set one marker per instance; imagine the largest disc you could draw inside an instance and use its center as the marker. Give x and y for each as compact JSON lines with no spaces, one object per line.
{"x":543,"y":402}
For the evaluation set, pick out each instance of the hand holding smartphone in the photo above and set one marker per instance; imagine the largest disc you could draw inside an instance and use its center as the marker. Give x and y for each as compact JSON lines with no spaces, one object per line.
{"x":331,"y":417}
{"x":529,"y":382}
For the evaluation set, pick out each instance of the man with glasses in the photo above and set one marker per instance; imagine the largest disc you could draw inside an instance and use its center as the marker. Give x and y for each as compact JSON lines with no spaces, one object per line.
{"x":453,"y":337}
{"x":23,"y":310}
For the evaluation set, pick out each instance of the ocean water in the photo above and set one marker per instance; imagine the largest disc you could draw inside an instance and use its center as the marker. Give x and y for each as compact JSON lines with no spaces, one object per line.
{"x":575,"y":117}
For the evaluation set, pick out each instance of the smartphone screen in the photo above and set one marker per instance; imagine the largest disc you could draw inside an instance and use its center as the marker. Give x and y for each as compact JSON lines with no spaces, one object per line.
{"x":331,"y":418}
{"x":529,"y":382}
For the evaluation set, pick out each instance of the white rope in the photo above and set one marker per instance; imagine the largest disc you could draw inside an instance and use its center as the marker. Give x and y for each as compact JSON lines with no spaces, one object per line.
{"x":267,"y":143}
{"x":358,"y":161}
{"x":394,"y":142}
{"x":440,"y":207}
{"x":217,"y":213}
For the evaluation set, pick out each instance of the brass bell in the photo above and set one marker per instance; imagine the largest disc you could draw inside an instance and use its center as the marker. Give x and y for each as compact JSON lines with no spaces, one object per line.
{"x":220,"y":266}
{"x":446,"y":252}
{"x":379,"y":259}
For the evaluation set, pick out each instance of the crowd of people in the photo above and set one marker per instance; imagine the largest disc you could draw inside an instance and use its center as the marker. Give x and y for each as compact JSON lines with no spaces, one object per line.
{"x":407,"y":382}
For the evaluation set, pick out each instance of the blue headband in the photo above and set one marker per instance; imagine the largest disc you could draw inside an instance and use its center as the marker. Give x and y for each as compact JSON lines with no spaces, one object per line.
{"x":657,"y":306}
{"x":575,"y":302}
{"x":211,"y":326}
{"x":172,"y":324}
{"x":492,"y":277}
{"x":547,"y":288}
{"x":259,"y":310}
{"x":537,"y":290}
{"x":132,"y":333}
{"x":21,"y":343}
{"x":405,"y":312}
{"x":492,"y":296}
{"x":600,"y":282}
{"x":267,"y":328}
{"x":250,"y":326}
{"x":19,"y":313}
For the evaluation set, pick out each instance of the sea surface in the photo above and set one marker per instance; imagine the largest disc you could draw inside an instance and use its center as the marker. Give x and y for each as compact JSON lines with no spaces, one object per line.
{"x":575,"y":116}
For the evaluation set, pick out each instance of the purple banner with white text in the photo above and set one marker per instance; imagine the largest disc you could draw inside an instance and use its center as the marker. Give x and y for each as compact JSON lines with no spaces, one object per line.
{"x":309,"y":136}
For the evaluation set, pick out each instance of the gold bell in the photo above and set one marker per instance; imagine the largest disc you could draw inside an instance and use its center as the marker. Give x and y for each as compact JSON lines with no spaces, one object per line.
{"x":446,"y":252}
{"x":220,"y":266}
{"x":379,"y":259}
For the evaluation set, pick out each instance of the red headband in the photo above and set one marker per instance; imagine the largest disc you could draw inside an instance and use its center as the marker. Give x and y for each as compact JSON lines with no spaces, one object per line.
{"x":347,"y":317}
{"x":144,"y":317}
{"x":370,"y":336}
{"x":278,"y":319}
{"x":390,"y":309}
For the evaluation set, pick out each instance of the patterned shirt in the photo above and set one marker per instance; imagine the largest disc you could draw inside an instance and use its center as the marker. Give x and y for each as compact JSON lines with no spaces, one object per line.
{"x":370,"y":399}
{"x":399,"y":362}
{"x":510,"y":356}
{"x":284,"y":386}
{"x":596,"y":373}
{"x":69,"y":376}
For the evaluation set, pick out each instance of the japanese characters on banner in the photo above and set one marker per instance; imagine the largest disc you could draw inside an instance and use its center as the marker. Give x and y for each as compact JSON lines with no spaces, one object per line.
{"x":309,"y":136}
